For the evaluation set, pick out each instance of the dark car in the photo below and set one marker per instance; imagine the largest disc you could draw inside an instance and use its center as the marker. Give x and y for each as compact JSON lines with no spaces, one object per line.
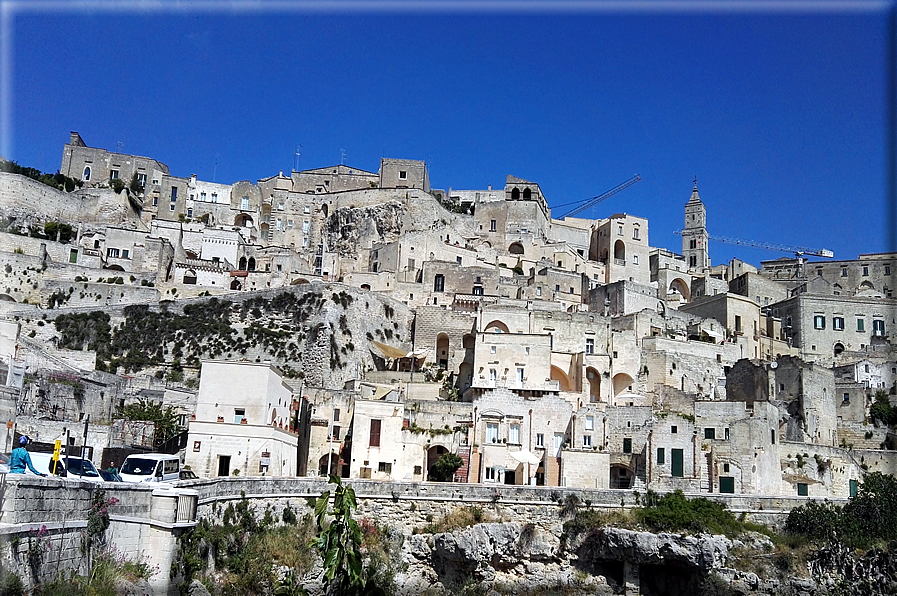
{"x":108,"y":476}
{"x":188,"y":475}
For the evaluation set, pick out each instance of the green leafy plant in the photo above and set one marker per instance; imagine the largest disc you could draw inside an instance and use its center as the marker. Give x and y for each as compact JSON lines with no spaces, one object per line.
{"x":445,"y":467}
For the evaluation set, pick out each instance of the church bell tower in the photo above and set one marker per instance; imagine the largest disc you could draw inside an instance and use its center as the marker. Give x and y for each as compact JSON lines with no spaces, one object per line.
{"x":694,"y":235}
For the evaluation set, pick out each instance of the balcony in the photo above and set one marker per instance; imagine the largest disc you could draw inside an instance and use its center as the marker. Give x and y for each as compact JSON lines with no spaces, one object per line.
{"x":620,"y":262}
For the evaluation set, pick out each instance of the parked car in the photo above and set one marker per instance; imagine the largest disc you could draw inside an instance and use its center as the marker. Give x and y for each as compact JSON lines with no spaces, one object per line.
{"x":151,"y":467}
{"x":73,"y":468}
{"x":188,"y":475}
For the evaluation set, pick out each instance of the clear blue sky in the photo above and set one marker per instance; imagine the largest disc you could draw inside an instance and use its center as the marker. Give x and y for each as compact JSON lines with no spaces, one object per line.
{"x":782,"y":115}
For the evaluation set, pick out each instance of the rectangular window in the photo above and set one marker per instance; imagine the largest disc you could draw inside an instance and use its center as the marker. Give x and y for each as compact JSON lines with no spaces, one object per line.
{"x":887,"y":270}
{"x":189,"y":211}
{"x":854,"y":487}
{"x":635,"y":259}
{"x":174,"y":194}
{"x":244,"y":203}
{"x":677,"y":463}
{"x":214,"y":197}
{"x":458,"y":260}
{"x":878,"y":328}
{"x":490,"y":474}
{"x":410,"y":264}
{"x":635,"y":233}
{"x":627,"y":445}
{"x":838,"y":323}
{"x":280,"y":206}
{"x":619,"y":230}
{"x":492,"y":225}
{"x":418,"y":470}
{"x":492,"y":349}
{"x":112,"y":252}
{"x":385,"y":467}
{"x":239,"y":415}
{"x":492,"y":432}
{"x":843,"y":271}
{"x":155,"y":201}
{"x":674,"y":429}
{"x":587,"y":440}
{"x":439,"y":283}
{"x":590,"y":422}
{"x":514,"y":434}
{"x":802,"y":490}
{"x":661,"y":456}
{"x":305,"y":227}
{"x":737,"y":324}
{"x":772,"y":436}
{"x":124,"y":253}
{"x":861,"y":325}
{"x":403,"y":175}
{"x":709,"y":433}
{"x":202,"y":196}
{"x":540,"y":440}
{"x":819,"y":322}
{"x":141,"y":180}
{"x":374,"y":440}
{"x":278,"y":224}
{"x":865,"y":271}
{"x":590,"y":346}
{"x":113,"y":174}
{"x":336,"y":430}
{"x":73,"y":256}
{"x":289,"y":223}
{"x":336,"y":414}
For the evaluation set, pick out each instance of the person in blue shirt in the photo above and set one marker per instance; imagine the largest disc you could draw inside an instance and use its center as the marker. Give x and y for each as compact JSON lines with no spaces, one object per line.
{"x":20,"y":458}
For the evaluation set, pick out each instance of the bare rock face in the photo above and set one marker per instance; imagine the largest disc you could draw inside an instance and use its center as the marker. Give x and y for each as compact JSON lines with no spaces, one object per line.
{"x":702,"y":552}
{"x":350,"y":228}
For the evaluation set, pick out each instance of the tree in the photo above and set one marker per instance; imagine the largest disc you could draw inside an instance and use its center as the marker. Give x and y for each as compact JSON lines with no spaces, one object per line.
{"x":445,"y":467}
{"x":339,"y":544}
{"x":164,"y":417}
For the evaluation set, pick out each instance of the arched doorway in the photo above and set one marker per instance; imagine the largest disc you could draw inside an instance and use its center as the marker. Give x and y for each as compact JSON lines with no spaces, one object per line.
{"x":465,"y":376}
{"x":620,"y":476}
{"x":622,"y":383}
{"x":561,"y":377}
{"x":433,"y":455}
{"x":516,"y":248}
{"x":236,"y":285}
{"x":243,"y":220}
{"x":594,"y":384}
{"x":190,"y":277}
{"x":333,"y":457}
{"x":620,"y":251}
{"x":442,"y":350}
{"x":839,"y":347}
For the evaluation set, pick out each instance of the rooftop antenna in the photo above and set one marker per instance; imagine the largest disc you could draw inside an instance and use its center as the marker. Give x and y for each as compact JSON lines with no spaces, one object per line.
{"x":342,"y":159}
{"x":296,"y":155}
{"x":119,"y":146}
{"x":215,"y":171}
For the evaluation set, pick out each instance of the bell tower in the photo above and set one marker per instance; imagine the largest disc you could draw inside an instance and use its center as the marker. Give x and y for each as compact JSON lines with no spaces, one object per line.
{"x":694,"y":235}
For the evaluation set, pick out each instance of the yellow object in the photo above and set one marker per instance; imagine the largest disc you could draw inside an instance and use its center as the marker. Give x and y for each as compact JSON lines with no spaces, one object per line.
{"x":57,"y":447}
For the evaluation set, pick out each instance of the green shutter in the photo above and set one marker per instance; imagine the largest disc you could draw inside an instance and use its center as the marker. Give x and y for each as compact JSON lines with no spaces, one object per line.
{"x":677,"y":463}
{"x":661,"y":456}
{"x":802,"y":489}
{"x":726,"y":484}
{"x":853,"y":488}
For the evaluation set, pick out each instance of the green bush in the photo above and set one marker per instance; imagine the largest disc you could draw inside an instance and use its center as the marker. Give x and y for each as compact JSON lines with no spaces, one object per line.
{"x":674,"y":512}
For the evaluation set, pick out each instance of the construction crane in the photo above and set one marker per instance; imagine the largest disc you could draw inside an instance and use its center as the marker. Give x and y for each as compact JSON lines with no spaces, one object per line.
{"x":597,"y":199}
{"x":798,"y":251}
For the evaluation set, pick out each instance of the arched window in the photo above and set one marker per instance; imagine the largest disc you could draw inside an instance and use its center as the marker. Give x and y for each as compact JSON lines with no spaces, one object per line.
{"x":251,"y":264}
{"x":86,"y":175}
{"x":527,"y":194}
{"x":242,"y":266}
{"x":515,"y":194}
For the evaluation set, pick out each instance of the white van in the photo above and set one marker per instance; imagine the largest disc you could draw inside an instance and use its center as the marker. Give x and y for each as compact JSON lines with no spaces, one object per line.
{"x":73,"y":468}
{"x":151,"y":467}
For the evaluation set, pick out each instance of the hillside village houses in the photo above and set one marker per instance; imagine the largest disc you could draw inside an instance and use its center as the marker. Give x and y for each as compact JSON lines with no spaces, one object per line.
{"x":539,"y":351}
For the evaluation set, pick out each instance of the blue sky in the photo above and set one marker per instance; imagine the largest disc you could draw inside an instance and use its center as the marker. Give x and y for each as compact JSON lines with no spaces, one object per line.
{"x":780,"y":113}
